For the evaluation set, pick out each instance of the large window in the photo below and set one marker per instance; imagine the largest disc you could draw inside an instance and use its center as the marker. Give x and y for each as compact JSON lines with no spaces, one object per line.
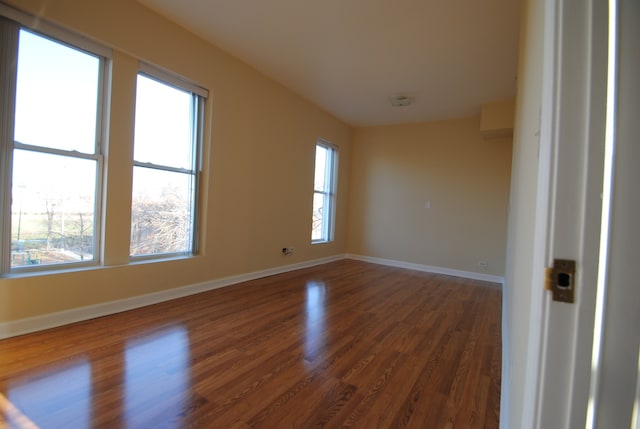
{"x":50,"y":150}
{"x":168,"y":129}
{"x":53,"y":103}
{"x":324,"y":193}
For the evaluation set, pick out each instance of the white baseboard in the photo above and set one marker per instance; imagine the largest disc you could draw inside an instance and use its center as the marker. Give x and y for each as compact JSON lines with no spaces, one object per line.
{"x":428,"y":268}
{"x":52,"y":320}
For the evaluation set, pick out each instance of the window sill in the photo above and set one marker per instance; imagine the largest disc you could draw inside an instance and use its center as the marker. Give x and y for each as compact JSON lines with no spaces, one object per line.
{"x":76,"y":268}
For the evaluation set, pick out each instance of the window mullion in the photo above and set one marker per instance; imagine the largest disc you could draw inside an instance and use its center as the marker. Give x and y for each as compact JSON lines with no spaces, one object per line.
{"x":162,"y":167}
{"x":61,"y":152}
{"x":9,"y":37}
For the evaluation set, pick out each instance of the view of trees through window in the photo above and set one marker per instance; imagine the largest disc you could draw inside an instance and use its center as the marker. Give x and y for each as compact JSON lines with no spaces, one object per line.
{"x":163,"y":199}
{"x":161,"y":212}
{"x":55,"y":157}
{"x":53,"y":219}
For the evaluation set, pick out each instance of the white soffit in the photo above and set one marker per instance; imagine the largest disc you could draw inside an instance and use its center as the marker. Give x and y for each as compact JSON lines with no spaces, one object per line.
{"x":350,"y":56}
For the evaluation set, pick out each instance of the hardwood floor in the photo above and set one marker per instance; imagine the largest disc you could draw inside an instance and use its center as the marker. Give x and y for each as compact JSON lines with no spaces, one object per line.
{"x":346,"y":344}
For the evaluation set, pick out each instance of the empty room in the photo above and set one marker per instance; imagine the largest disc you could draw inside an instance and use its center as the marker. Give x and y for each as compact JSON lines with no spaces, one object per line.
{"x":286,"y":214}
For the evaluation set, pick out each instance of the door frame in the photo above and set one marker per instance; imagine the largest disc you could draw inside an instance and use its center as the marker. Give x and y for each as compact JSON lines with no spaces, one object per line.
{"x":568,"y":211}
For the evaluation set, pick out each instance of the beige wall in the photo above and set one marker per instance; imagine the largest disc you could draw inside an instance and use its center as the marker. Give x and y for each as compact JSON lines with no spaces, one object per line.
{"x":496,"y":118}
{"x":398,"y":168}
{"x":259,"y":154}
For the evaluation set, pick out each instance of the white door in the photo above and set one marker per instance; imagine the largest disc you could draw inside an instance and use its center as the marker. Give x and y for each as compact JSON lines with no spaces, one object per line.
{"x":575,"y":127}
{"x":556,"y":213}
{"x":616,"y":378}
{"x":577,"y":388}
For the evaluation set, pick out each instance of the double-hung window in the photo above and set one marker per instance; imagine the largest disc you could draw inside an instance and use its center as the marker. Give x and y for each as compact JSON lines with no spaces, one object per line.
{"x":166,"y":164}
{"x":51,"y":110}
{"x":324,"y":194}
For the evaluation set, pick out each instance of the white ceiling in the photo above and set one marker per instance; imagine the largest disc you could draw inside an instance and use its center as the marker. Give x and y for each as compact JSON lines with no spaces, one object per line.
{"x":350,"y":56}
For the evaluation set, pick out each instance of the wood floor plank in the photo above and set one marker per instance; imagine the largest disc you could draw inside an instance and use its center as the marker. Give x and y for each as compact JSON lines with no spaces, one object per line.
{"x":343,"y":345}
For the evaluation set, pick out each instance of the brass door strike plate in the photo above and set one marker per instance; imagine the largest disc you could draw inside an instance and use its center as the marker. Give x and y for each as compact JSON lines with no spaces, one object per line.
{"x":563,"y":280}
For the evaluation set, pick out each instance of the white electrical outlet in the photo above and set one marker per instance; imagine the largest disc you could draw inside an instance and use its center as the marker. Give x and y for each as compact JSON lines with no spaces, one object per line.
{"x":483,"y":265}
{"x":287,"y":251}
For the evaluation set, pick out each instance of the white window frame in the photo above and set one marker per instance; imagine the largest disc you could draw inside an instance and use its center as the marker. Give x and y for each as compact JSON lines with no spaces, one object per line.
{"x":199,"y":98}
{"x":13,"y":22}
{"x":329,"y":191}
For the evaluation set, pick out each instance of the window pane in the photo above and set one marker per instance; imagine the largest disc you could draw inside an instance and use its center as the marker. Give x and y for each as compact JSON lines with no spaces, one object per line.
{"x":321,"y":168}
{"x":163,"y":124}
{"x":53,"y":209}
{"x":317,"y":224}
{"x":162,"y":212}
{"x":56,"y":95}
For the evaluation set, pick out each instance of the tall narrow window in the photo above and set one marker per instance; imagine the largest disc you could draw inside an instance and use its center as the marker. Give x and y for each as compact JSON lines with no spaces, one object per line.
{"x":324,"y":193}
{"x":50,"y":150}
{"x":167,"y":144}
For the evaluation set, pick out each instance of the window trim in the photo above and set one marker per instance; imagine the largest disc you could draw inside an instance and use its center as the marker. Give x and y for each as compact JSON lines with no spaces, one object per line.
{"x":173,"y":79}
{"x":330,"y":192}
{"x":199,"y":98}
{"x":10,"y":31}
{"x":12,"y":22}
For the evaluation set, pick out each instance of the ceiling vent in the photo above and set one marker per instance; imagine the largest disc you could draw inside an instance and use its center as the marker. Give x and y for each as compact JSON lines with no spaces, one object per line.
{"x":401,"y":100}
